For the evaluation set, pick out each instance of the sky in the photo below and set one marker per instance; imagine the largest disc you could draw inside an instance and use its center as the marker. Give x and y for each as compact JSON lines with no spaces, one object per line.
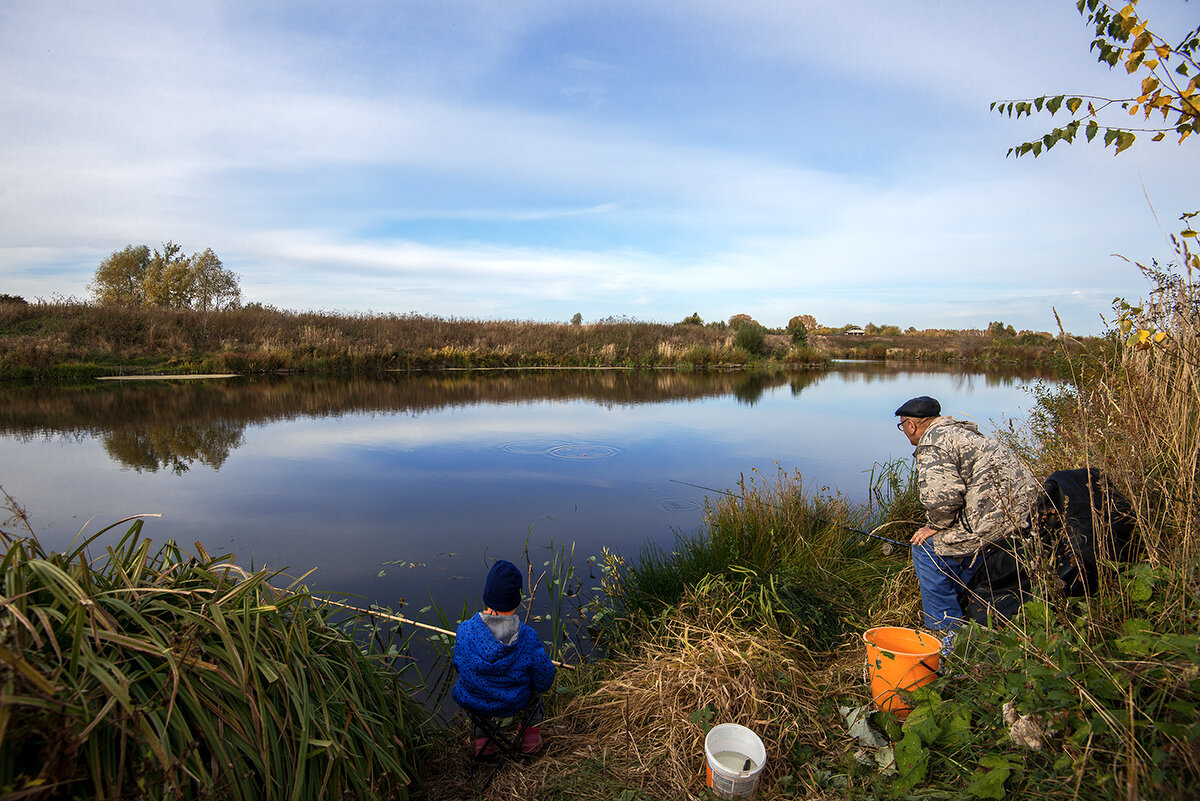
{"x":534,"y":159}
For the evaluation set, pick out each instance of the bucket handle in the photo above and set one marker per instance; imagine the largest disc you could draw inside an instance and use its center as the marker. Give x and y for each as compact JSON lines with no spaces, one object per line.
{"x":932,"y":670}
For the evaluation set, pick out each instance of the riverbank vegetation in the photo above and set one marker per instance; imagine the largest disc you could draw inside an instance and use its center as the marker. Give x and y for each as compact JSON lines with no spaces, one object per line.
{"x":63,"y":340}
{"x":149,"y":673}
{"x":75,"y":339}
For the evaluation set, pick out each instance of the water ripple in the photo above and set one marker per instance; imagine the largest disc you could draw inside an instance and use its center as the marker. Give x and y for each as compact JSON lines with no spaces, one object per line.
{"x":560,"y":450}
{"x":679,"y":504}
{"x":583,"y":451}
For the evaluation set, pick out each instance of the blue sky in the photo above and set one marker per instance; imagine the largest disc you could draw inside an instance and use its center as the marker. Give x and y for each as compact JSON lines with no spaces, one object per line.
{"x":530,"y":159}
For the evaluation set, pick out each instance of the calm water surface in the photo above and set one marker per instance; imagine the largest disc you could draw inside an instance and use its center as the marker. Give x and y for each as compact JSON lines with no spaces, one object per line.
{"x":406,"y":487}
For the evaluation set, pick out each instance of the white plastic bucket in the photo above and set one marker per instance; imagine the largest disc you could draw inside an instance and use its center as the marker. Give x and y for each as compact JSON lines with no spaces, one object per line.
{"x":726,"y":749}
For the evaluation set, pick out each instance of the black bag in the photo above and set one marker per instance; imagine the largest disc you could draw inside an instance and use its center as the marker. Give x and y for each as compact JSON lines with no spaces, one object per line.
{"x":1083,"y":520}
{"x":999,"y":585}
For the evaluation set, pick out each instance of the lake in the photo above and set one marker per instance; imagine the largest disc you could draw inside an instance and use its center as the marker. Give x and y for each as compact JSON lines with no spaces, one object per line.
{"x":403,"y":488}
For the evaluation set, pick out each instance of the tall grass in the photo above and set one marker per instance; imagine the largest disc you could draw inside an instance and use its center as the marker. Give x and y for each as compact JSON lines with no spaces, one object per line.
{"x":803,"y":552}
{"x":77,"y":339}
{"x":149,"y":673}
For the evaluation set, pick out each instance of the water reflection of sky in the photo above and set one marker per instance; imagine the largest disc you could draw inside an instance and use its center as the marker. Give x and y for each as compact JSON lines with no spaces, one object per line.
{"x":450,"y":488}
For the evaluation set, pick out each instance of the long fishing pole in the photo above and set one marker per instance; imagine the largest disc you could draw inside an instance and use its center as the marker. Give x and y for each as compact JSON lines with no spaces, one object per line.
{"x":818,"y":517}
{"x":416,"y":623}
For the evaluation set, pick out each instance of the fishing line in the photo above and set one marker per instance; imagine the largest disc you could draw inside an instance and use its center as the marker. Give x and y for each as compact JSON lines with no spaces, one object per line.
{"x":818,"y":517}
{"x":411,"y":622}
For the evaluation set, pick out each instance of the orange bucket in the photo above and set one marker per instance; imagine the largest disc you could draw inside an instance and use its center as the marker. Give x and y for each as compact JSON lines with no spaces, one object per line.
{"x":899,"y":660}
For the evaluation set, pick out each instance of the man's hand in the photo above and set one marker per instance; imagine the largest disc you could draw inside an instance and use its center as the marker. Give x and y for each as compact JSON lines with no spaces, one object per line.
{"x":922,"y":534}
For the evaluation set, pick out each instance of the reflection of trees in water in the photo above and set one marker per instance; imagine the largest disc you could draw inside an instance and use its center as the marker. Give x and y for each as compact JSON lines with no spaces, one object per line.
{"x":175,"y":447}
{"x":802,"y":381}
{"x":853,"y":372}
{"x":172,"y":425}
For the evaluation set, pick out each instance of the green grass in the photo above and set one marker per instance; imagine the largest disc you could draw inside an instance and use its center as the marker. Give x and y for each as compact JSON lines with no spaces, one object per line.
{"x":800,"y":552}
{"x":149,"y":673}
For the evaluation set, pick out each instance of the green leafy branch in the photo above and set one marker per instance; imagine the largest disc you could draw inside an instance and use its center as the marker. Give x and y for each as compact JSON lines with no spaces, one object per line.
{"x":1170,"y":84}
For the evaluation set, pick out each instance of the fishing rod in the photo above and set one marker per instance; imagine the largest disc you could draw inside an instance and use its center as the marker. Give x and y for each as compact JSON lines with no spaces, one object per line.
{"x":416,"y":623}
{"x":870,"y":533}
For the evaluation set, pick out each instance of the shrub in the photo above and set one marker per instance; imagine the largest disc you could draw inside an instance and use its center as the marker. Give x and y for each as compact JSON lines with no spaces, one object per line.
{"x":798,"y":331}
{"x":750,"y":337}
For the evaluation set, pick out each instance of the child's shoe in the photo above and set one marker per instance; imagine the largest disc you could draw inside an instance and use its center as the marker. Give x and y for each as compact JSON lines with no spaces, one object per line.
{"x":531,"y":741}
{"x":484,"y":747}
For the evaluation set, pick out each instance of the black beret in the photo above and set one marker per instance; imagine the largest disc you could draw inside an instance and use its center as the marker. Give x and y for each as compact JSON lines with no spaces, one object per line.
{"x":923,"y":406}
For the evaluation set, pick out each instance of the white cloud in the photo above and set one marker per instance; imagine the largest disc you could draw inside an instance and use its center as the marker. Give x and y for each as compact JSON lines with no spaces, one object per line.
{"x":365,"y":158}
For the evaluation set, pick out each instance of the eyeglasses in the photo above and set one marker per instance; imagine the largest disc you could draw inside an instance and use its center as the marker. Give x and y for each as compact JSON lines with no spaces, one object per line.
{"x":900,"y":425}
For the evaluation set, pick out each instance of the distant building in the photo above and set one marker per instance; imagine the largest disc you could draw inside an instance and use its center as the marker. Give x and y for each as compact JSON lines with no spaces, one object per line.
{"x":856,"y":332}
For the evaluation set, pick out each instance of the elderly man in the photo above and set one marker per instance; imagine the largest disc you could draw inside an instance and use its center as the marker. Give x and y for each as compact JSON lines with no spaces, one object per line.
{"x":975,"y":491}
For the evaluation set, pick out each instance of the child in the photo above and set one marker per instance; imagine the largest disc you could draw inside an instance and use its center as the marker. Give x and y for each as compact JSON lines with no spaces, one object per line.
{"x":501,"y":663}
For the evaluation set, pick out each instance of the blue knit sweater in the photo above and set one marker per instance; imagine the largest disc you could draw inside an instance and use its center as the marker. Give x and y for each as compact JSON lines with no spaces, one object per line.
{"x":499,"y":676}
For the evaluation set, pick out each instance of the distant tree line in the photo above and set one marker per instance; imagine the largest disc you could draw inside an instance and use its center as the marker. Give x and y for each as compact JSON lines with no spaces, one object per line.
{"x":165,"y":277}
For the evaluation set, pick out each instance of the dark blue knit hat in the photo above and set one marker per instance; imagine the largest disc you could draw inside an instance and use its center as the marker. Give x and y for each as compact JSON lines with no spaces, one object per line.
{"x":502,"y":590}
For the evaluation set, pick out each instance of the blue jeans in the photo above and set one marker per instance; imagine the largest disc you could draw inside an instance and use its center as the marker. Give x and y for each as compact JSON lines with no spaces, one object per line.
{"x":941,"y":579}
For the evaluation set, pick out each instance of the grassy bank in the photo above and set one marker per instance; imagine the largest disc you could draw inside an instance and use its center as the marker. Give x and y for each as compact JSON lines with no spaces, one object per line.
{"x":1027,"y":349}
{"x":64,"y":341}
{"x":67,"y":340}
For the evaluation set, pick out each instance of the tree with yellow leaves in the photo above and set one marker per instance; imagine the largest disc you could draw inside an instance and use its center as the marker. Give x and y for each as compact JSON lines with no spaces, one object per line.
{"x":1168,"y":97}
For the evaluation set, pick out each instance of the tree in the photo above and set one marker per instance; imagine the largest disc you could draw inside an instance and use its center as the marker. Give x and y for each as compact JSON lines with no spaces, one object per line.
{"x":576,"y":319}
{"x":692,"y":319}
{"x":739,"y":320}
{"x":214,"y":288}
{"x":797,"y":328}
{"x":165,"y":278}
{"x":1165,"y":90}
{"x":168,"y":280}
{"x":121,"y":277}
{"x":998,"y":330}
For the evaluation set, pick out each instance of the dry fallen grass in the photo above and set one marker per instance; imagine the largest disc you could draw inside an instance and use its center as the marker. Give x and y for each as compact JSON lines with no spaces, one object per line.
{"x":637,"y":733}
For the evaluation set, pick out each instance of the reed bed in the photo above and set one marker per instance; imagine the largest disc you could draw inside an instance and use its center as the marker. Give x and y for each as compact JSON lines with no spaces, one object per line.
{"x":149,"y":673}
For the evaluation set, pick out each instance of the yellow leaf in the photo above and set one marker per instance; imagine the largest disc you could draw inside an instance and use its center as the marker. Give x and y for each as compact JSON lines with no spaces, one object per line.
{"x":1160,"y":336}
{"x":1133,"y":109}
{"x":1127,"y":11}
{"x":1158,"y":137}
{"x":1138,"y":339}
{"x":1149,"y":85}
{"x":1152,"y":64}
{"x":1163,"y":51}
